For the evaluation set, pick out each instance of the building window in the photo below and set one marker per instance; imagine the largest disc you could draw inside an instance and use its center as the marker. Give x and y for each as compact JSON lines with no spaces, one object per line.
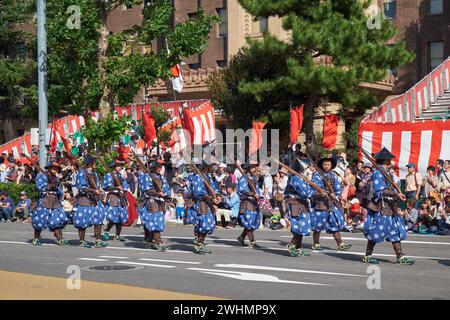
{"x":390,"y":8}
{"x":127,"y":6}
{"x":436,"y":6}
{"x":223,"y":24}
{"x":192,"y":15}
{"x":221,"y":63}
{"x":435,"y":54}
{"x":21,"y":51}
{"x":194,"y":66}
{"x":259,"y":25}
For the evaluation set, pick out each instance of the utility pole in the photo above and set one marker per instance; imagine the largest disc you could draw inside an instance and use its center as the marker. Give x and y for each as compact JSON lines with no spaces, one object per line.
{"x":42,"y":78}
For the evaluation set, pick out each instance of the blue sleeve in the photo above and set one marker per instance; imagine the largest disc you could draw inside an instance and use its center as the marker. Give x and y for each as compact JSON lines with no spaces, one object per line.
{"x":338,"y":188}
{"x":81,"y":181}
{"x":198,"y":189}
{"x":214,"y":185}
{"x":108,"y":182}
{"x":242,"y":186}
{"x":317,"y":179}
{"x":125,"y":185}
{"x":97,"y":180}
{"x":379,"y":183}
{"x":41,"y":182}
{"x":300,"y":187}
{"x":145,"y":182}
{"x":165,"y":185}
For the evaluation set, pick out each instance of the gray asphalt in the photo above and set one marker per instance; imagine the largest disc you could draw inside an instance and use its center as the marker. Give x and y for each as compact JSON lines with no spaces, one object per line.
{"x":236,"y":272}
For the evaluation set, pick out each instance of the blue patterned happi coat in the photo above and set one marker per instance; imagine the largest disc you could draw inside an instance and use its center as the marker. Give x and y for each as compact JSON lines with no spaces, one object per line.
{"x":379,"y":227}
{"x":153,"y":221}
{"x":203,"y":223}
{"x":330,"y":221}
{"x":43,"y":217}
{"x":86,"y":216}
{"x":299,"y":189}
{"x":248,"y":219}
{"x":114,"y":214}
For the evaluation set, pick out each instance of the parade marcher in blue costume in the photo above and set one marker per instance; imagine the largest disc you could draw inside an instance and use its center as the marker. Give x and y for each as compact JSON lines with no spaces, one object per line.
{"x":152,"y":205}
{"x":327,"y":213}
{"x":49,"y":212}
{"x":203,"y":209}
{"x":116,"y":205}
{"x":298,"y":192}
{"x":249,"y":215}
{"x":384,"y":221}
{"x":89,"y":210}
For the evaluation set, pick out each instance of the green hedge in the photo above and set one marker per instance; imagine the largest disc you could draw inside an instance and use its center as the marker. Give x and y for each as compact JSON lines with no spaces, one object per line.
{"x":14,"y":190}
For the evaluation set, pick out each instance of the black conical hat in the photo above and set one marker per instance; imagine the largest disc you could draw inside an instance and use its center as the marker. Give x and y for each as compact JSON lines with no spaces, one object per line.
{"x":383,"y":154}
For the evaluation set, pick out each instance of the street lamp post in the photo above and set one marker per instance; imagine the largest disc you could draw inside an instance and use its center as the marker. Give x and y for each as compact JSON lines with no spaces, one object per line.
{"x":42,"y":78}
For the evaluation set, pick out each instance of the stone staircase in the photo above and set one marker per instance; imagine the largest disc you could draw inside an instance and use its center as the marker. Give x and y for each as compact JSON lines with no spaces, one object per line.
{"x":439,"y":109}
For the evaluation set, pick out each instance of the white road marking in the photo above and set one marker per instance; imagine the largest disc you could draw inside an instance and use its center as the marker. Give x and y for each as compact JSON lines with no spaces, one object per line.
{"x":173,"y":261}
{"x":145,"y":264}
{"x":380,"y":254}
{"x":364,"y":239}
{"x":245,"y":276}
{"x":92,"y":259}
{"x":112,"y":257}
{"x":253,"y":267}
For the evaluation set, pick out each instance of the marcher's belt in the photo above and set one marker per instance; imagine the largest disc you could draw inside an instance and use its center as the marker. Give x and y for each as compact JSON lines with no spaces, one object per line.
{"x":297,"y":206}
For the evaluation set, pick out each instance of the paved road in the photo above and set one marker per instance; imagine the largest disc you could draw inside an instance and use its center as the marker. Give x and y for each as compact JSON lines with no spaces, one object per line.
{"x":234,"y":272}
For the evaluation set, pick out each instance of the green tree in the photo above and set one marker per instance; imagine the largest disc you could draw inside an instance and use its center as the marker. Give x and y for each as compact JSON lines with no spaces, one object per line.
{"x":15,"y":45}
{"x":89,"y":67}
{"x":101,"y":134}
{"x":287,"y":71}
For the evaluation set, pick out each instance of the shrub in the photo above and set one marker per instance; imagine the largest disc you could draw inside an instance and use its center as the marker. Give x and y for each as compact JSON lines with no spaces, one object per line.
{"x":14,"y":191}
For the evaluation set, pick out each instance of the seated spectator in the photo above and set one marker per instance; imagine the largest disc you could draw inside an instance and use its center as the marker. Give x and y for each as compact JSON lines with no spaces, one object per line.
{"x":443,"y":218}
{"x":410,"y":214}
{"x":426,"y":222}
{"x":23,"y":208}
{"x":6,"y":207}
{"x":356,"y":216}
{"x":230,"y":207}
{"x":12,"y":173}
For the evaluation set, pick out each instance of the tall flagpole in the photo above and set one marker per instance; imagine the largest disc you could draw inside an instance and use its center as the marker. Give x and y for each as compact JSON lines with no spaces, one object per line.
{"x":42,"y":78}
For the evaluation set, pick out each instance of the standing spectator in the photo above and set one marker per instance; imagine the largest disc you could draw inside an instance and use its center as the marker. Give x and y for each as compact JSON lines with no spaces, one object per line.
{"x":3,"y":173}
{"x":444,"y":178}
{"x":180,"y":211}
{"x":413,"y":182}
{"x":439,"y":167}
{"x":364,"y":186}
{"x":231,"y":178}
{"x":23,"y":208}
{"x":221,"y":175}
{"x":279,"y":188}
{"x":410,"y":214}
{"x":67,"y":205}
{"x":430,"y":183}
{"x":349,"y":181}
{"x":130,"y":178}
{"x":6,"y":207}
{"x":342,"y":164}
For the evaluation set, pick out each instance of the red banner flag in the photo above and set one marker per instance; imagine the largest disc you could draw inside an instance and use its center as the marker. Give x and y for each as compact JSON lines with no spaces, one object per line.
{"x":65,"y":142}
{"x":149,"y":128}
{"x":54,"y":142}
{"x":256,"y":138}
{"x":132,"y":211}
{"x":330,"y":131}
{"x":296,"y":123}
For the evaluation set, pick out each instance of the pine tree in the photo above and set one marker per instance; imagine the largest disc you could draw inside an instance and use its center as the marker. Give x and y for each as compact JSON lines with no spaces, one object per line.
{"x":337,"y":29}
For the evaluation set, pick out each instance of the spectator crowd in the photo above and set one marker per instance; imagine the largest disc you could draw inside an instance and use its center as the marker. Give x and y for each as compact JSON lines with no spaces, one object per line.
{"x":427,"y":208}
